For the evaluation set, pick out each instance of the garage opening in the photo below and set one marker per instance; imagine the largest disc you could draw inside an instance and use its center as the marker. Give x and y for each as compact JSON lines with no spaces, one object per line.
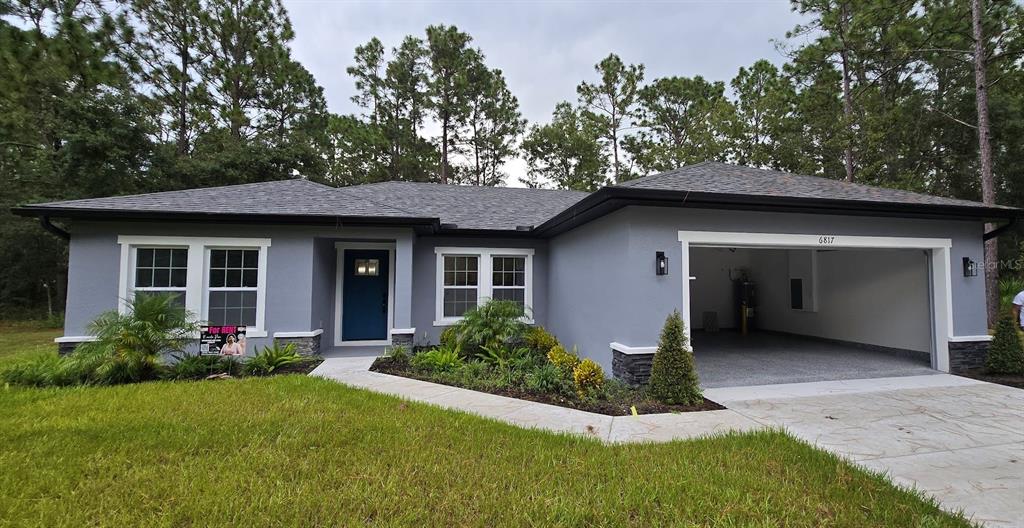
{"x":762,"y":314}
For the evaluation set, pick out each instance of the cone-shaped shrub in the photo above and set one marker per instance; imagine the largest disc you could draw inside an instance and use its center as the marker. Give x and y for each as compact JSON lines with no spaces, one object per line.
{"x":673,"y":371}
{"x":1005,"y":354}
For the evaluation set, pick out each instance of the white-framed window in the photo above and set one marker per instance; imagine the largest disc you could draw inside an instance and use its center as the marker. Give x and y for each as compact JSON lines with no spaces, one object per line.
{"x":221,"y":280}
{"x":160,"y":269}
{"x":468,"y":277}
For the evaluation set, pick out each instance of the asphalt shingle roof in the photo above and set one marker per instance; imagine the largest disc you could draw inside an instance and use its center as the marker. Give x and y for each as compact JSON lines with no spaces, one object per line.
{"x":471,"y":207}
{"x":725,"y":178}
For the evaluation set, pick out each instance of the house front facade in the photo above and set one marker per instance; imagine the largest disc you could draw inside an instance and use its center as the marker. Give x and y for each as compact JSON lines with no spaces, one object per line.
{"x":731,"y":248}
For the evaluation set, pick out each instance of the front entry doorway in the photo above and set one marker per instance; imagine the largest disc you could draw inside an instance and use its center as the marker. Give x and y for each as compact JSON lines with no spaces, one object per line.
{"x":364,"y":281}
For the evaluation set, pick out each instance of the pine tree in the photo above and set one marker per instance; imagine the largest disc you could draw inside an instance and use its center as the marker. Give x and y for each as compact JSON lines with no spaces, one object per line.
{"x":673,"y":370}
{"x":608,"y":104}
{"x":566,"y":152}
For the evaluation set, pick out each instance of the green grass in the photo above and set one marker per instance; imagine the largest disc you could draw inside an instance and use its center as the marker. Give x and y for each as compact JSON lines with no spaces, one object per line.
{"x":24,"y":339}
{"x":294,"y":450}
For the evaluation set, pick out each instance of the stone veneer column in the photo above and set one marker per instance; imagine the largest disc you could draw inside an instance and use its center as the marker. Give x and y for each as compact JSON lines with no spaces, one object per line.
{"x":306,"y":343}
{"x":634,"y":369}
{"x":964,"y":355}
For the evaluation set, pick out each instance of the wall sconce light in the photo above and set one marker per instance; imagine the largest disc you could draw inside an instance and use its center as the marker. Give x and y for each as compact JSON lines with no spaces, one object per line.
{"x":660,"y":263}
{"x":367,"y":267}
{"x":970,"y":267}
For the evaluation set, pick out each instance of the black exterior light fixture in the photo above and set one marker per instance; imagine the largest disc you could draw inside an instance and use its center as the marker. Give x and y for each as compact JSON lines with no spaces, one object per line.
{"x":660,"y":263}
{"x":970,"y":267}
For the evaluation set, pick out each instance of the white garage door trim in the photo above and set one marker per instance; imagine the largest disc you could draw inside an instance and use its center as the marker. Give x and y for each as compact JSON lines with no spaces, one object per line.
{"x":940,"y":278}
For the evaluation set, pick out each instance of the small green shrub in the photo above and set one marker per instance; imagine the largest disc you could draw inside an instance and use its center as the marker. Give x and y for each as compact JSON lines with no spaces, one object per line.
{"x":492,"y":323}
{"x":449,"y":336}
{"x":548,"y":379}
{"x":563,"y":360}
{"x":272,"y":358}
{"x":673,"y":370}
{"x":440,"y":359}
{"x":588,"y":378}
{"x":193,"y":366}
{"x":399,"y":354}
{"x":539,"y":340}
{"x":38,"y":371}
{"x":1005,"y":353}
{"x":502,"y":355}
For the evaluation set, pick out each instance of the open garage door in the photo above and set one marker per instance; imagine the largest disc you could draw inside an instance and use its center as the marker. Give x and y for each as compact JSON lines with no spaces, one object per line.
{"x":768,"y":308}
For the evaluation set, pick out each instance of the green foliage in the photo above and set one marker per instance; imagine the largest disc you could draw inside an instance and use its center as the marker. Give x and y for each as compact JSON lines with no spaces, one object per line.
{"x":608,"y":104}
{"x":588,"y":378}
{"x":673,"y":370}
{"x":502,"y":355}
{"x":38,"y":371}
{"x":493,"y":323}
{"x":539,"y":340}
{"x":1005,"y":352}
{"x":194,"y":366}
{"x":399,"y":354}
{"x":153,"y":325}
{"x":549,"y":379}
{"x":566,"y":152}
{"x":449,"y":336}
{"x":440,"y":359}
{"x":565,"y":361}
{"x":273,"y":358}
{"x":1009,"y":287}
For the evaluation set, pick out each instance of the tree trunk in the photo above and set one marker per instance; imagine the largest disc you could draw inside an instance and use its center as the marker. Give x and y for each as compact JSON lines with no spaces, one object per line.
{"x":444,"y":149}
{"x":847,"y":96}
{"x":988,"y":191}
{"x":183,"y":53}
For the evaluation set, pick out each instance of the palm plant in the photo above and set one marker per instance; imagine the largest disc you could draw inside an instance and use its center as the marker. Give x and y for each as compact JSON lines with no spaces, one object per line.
{"x":492,"y":324}
{"x":1009,"y":287}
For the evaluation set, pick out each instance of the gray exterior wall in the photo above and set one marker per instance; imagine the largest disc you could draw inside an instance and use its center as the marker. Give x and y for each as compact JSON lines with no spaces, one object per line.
{"x":424,"y":293}
{"x":603,"y":287}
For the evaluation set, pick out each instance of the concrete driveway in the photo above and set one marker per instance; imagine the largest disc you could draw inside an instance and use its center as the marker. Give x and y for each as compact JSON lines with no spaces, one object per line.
{"x":959,"y":440}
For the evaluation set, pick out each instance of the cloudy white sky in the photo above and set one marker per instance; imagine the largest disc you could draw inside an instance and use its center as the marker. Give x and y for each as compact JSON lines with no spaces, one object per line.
{"x":546,"y":48}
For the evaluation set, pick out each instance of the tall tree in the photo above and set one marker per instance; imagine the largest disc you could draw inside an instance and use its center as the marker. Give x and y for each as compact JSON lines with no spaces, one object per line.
{"x":608,"y":103}
{"x":567,"y":152}
{"x":493,"y":124}
{"x":680,"y":121}
{"x":764,"y":132}
{"x":167,"y":48}
{"x":450,"y":59}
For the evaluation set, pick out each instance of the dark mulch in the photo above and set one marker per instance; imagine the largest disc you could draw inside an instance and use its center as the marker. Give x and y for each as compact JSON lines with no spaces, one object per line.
{"x":610,"y":408}
{"x":1010,"y":380}
{"x":304,"y":367}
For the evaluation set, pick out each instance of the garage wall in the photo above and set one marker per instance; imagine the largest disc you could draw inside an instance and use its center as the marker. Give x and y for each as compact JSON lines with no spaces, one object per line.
{"x":711,"y":290}
{"x":875,"y":297}
{"x":623,"y":300}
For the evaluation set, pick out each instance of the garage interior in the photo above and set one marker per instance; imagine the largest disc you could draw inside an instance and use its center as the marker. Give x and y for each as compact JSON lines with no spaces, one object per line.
{"x":811,"y":314}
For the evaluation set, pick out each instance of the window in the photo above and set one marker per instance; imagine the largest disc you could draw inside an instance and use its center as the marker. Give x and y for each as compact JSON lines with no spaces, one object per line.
{"x":161,"y":270}
{"x":461,"y":284}
{"x":234,"y":277}
{"x":508,"y":281}
{"x":796,"y":294}
{"x":222,"y":280}
{"x":467,"y":277}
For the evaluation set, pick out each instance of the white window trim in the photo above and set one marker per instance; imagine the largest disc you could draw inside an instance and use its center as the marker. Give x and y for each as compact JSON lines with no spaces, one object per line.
{"x":485,"y":277}
{"x":197,"y":281}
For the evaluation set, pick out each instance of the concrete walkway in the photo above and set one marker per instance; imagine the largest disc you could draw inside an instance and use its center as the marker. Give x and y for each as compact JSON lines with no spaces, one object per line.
{"x":959,"y":440}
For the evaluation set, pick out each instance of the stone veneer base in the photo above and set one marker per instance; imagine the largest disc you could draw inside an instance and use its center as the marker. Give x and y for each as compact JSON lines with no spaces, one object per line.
{"x":965,"y":355}
{"x":306,"y":346}
{"x":633,"y":369}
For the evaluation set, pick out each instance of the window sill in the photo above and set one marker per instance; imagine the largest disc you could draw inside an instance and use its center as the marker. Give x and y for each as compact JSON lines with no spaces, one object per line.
{"x":450,"y":322}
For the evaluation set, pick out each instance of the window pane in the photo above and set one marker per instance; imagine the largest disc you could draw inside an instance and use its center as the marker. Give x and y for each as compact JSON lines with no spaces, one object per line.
{"x":178,"y":278}
{"x":143,"y":277}
{"x":179,"y":258}
{"x":234,"y":259}
{"x":217,"y":278}
{"x":511,"y":294}
{"x":249,"y":316}
{"x":248,"y":300}
{"x":218,"y":258}
{"x":249,"y":278}
{"x":178,"y":298}
{"x":216,"y":300}
{"x":251,"y":258}
{"x":234,"y":278}
{"x":161,"y":277}
{"x":162,"y":258}
{"x":457,"y":301}
{"x":144,"y":258}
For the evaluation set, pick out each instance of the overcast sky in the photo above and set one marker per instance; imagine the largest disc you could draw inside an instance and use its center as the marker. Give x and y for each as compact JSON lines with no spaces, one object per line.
{"x":546,"y":48}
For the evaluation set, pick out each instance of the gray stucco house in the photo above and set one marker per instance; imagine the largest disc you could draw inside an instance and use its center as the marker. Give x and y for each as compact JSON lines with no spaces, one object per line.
{"x":372,"y":265}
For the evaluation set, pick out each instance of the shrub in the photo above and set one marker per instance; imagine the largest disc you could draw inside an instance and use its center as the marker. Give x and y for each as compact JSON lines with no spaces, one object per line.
{"x":492,"y":323}
{"x":194,"y":366}
{"x":673,"y":370}
{"x":547,"y":379}
{"x":502,"y":355}
{"x":1009,"y":287}
{"x":399,"y":354}
{"x":1005,"y":354}
{"x":539,"y":340}
{"x":38,"y":371}
{"x":273,"y":358}
{"x":563,"y":360}
{"x":440,"y":359}
{"x":588,"y":377}
{"x":450,"y":336}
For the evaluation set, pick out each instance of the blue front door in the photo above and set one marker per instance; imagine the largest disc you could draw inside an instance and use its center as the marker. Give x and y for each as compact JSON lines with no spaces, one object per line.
{"x":364,"y":311}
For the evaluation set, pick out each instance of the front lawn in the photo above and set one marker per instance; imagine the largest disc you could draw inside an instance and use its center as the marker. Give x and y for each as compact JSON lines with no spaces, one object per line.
{"x":25,"y":340}
{"x":295,"y":450}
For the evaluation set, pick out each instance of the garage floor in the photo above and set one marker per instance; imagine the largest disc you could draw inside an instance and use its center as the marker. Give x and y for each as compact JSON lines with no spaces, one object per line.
{"x":728,"y":359}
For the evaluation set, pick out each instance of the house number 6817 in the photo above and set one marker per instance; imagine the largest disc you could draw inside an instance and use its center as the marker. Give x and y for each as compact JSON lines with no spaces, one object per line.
{"x":826,"y":240}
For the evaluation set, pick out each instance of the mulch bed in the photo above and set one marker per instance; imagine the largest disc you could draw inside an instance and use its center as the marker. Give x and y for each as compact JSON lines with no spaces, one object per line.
{"x":609,"y":408}
{"x":1010,"y":380}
